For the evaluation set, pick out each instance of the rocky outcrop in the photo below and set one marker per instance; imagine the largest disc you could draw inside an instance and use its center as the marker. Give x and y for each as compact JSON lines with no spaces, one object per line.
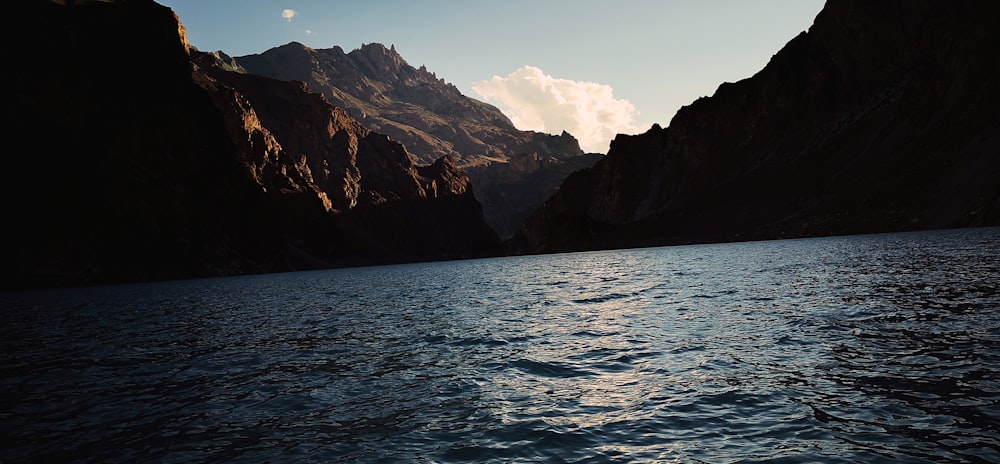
{"x":880,"y":118}
{"x":155,"y":168}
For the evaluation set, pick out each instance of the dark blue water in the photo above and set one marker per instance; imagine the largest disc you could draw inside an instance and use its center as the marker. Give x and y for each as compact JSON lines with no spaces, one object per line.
{"x":880,"y":348}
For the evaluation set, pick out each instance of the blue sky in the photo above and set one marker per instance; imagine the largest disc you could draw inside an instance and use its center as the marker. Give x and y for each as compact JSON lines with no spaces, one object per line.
{"x":592,"y":67}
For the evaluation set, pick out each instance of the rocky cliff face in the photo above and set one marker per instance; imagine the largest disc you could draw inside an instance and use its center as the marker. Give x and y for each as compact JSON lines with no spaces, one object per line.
{"x":385,"y":208}
{"x":155,"y":168}
{"x":432,"y":119}
{"x":880,"y":118}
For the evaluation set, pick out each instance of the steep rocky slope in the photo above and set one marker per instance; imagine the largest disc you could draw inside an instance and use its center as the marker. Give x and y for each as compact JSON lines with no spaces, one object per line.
{"x":386,"y":208}
{"x":432,"y":119}
{"x":412,"y":105}
{"x":882,"y":117}
{"x":153,"y":168}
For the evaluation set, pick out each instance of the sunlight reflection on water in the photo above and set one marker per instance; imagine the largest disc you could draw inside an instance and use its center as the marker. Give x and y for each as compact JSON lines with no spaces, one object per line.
{"x":851,"y":349}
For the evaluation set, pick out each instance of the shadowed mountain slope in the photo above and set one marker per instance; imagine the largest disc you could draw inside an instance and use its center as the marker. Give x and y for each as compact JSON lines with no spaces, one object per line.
{"x":882,"y":117}
{"x":156,"y":168}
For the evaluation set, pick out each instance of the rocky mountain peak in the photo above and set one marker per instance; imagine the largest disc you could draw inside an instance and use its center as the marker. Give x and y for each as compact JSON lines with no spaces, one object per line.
{"x":294,"y":45}
{"x":378,"y":50}
{"x":428,"y":115}
{"x":432,"y":119}
{"x":381,"y":63}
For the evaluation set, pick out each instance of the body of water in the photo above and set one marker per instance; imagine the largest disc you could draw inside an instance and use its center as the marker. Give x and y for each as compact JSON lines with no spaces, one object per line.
{"x":880,"y":348}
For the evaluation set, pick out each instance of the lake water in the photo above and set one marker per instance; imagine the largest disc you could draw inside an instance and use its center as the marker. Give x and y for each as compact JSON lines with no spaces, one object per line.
{"x":881,"y":348}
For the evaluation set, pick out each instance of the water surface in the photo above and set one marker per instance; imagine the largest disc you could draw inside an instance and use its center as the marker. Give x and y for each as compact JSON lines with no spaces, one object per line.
{"x":848,"y":349}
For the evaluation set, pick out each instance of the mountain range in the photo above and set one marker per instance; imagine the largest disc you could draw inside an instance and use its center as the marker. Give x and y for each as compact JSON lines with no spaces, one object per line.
{"x":429,"y":116}
{"x":138,"y":157}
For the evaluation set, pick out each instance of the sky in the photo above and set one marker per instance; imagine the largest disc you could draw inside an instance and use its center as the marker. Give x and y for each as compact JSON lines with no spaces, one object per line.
{"x":594,"y":68}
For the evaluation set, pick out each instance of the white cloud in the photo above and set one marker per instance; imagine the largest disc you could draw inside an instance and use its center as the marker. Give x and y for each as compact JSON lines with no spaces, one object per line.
{"x":288,"y":14}
{"x":309,"y":31}
{"x":536,"y":101}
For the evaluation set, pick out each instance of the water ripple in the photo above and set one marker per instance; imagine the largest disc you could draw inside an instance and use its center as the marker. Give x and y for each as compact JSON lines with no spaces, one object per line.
{"x":852,"y":349}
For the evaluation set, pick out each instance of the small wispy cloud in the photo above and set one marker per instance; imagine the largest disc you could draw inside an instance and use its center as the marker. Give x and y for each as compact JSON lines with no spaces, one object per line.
{"x":536,"y":101}
{"x":288,"y":14}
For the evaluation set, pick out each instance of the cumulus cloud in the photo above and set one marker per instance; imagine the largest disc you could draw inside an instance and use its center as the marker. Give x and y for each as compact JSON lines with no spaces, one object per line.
{"x":536,"y":101}
{"x":288,"y":14}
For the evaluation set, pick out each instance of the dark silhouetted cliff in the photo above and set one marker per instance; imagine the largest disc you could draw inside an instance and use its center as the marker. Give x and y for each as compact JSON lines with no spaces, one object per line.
{"x":134,"y":163}
{"x":513,"y":190}
{"x":882,"y":117}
